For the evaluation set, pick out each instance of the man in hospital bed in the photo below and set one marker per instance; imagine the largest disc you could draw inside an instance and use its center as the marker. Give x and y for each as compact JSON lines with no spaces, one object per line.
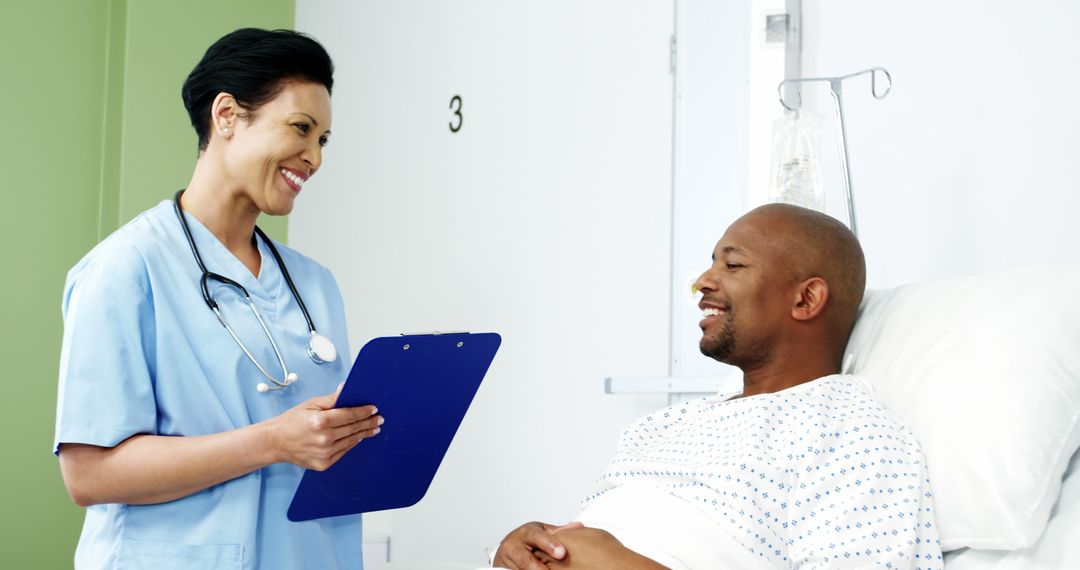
{"x":803,"y":469}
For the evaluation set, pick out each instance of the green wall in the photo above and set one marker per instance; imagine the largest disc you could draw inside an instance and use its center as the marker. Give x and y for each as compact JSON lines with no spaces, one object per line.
{"x":94,"y":133}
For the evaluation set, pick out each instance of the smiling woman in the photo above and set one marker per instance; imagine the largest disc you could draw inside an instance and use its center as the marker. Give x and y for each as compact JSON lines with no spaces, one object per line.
{"x":264,"y":156}
{"x":183,"y":445}
{"x":262,"y":117}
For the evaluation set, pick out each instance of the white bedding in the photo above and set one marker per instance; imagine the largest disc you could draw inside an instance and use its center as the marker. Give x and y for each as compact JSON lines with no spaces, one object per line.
{"x":643,"y":517}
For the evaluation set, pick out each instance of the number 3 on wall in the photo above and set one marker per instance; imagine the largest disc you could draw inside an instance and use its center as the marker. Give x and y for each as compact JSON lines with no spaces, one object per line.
{"x":455,"y":106}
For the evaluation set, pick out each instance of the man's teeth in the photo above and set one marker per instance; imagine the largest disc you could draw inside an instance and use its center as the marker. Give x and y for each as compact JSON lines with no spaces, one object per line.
{"x":711,"y":312}
{"x":295,"y":179}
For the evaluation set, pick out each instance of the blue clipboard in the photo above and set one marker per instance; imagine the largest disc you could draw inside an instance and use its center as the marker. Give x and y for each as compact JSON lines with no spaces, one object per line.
{"x":422,"y":385}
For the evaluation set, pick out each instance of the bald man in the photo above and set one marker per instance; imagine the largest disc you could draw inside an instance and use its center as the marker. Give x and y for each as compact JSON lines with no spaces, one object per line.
{"x":802,"y":469}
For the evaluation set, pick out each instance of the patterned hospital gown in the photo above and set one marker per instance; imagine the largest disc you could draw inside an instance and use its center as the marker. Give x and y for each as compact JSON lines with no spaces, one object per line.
{"x":816,"y":476}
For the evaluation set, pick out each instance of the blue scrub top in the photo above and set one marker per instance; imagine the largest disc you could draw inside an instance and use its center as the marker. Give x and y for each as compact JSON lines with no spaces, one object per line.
{"x":143,"y":354}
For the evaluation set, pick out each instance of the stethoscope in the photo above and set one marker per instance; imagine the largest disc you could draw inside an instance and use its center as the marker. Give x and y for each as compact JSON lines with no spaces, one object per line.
{"x":320,"y":349}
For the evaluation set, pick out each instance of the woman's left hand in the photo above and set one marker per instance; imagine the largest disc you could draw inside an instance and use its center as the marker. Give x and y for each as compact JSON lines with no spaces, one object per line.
{"x":314,"y":434}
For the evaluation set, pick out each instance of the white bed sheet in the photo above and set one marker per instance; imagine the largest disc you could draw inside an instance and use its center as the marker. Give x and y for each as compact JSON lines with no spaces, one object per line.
{"x":667,"y":529}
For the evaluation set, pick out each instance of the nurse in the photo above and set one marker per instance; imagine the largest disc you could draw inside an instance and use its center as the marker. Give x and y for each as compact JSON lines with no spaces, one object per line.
{"x":184,"y":431}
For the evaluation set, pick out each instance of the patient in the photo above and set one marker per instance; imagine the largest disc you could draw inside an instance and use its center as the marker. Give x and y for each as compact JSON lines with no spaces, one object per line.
{"x":803,"y":469}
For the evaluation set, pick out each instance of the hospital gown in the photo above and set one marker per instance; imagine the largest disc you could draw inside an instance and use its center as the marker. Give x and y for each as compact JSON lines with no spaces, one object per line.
{"x":816,"y":476}
{"x":143,"y":354}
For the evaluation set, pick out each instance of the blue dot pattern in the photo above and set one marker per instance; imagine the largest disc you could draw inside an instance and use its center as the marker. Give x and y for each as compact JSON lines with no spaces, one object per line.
{"x":816,"y":476}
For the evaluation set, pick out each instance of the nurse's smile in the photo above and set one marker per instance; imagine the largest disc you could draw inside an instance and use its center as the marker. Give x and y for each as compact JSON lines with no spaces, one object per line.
{"x":294,"y":178}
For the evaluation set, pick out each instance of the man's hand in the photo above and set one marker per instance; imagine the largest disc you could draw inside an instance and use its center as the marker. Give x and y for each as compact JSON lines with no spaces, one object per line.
{"x":592,"y":548}
{"x":520,"y":548}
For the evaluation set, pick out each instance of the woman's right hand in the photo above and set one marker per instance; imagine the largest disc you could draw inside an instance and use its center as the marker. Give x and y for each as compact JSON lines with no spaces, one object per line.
{"x":314,"y":434}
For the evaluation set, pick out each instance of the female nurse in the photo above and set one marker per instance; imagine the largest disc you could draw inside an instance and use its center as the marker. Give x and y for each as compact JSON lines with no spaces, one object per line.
{"x":200,"y":359}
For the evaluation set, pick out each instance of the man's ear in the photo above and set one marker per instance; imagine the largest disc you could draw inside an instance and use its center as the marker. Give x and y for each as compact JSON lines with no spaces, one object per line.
{"x":810,"y":299}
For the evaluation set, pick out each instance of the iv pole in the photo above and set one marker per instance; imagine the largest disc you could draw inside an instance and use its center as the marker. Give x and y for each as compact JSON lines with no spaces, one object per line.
{"x":836,"y":90}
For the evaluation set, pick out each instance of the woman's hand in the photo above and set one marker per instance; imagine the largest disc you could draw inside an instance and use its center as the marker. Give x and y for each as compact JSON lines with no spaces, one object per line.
{"x":146,"y":469}
{"x":314,"y":435}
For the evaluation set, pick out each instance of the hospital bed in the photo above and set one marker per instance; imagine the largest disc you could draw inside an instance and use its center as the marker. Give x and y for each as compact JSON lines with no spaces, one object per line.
{"x":986,"y":372}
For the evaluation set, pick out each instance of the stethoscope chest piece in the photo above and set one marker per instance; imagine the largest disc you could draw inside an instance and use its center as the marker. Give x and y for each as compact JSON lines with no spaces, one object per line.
{"x":320,"y":349}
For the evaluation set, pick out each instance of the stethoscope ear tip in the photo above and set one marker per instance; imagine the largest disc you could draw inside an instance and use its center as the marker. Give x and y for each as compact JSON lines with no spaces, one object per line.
{"x":262,"y":388}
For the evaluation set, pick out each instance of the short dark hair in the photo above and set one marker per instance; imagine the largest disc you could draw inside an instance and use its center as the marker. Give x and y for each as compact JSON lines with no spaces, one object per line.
{"x":252,"y":65}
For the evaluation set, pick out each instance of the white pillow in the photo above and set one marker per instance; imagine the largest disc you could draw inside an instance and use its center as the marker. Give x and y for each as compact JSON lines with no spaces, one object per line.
{"x":1056,"y":550}
{"x":986,"y":372}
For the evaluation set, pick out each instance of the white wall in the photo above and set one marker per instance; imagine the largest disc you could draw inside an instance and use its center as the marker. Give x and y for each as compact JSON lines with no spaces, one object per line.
{"x":965,"y":168}
{"x":546,"y":219}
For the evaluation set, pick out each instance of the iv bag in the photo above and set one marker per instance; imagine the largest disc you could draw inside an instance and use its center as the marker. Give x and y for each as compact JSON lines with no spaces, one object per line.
{"x":796,"y":175}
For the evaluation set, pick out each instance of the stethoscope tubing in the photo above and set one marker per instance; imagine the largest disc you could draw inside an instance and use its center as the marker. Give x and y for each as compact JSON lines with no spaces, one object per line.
{"x":251,"y":357}
{"x":207,"y":275}
{"x":288,"y":278}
